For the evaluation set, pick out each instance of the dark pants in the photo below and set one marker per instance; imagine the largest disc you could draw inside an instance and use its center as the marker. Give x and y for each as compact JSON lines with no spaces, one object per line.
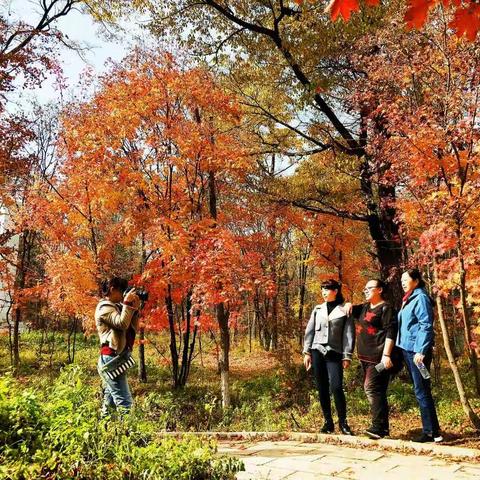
{"x":328,"y":374}
{"x":375,"y":385}
{"x":423,"y":392}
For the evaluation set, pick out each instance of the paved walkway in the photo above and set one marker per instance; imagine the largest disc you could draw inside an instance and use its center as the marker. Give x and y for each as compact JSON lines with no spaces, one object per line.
{"x":294,"y":460}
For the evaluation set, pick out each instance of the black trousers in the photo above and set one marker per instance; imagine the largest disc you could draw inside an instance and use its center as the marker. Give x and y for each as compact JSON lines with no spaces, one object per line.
{"x":328,"y":374}
{"x":375,"y":385}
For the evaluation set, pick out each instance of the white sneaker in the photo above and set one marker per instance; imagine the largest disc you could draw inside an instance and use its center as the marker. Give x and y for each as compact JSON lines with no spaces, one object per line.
{"x":438,"y":439}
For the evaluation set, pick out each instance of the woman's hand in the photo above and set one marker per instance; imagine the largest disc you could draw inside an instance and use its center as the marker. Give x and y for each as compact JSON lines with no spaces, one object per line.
{"x":387,"y":361}
{"x":346,"y":363}
{"x":307,"y":361}
{"x":131,"y":299}
{"x":348,"y":307}
{"x":418,"y":358}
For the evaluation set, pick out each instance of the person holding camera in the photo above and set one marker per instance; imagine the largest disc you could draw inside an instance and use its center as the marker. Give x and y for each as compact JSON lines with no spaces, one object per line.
{"x":116,"y":322}
{"x":328,"y":346}
{"x":376,"y":329}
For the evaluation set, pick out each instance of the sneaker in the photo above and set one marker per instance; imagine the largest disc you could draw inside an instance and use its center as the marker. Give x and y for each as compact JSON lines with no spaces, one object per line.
{"x":428,"y":437}
{"x":327,"y":428}
{"x":345,"y":428}
{"x":375,"y":433}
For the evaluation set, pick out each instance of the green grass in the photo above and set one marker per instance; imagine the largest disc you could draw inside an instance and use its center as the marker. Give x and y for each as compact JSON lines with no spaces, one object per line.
{"x":267,"y":394}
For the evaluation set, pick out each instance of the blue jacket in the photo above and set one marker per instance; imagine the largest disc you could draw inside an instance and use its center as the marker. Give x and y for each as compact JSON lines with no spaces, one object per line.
{"x":415,"y":323}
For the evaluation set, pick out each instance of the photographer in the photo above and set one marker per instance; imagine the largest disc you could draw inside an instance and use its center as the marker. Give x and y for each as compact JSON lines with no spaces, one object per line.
{"x":116,"y":322}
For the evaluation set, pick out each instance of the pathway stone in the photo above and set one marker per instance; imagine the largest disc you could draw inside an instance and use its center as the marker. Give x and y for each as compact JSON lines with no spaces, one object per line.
{"x":292,"y":460}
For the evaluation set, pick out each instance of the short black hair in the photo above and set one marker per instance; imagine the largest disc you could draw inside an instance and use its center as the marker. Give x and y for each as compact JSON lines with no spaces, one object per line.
{"x":114,"y":282}
{"x":415,"y":274}
{"x":332,"y":284}
{"x":380,"y":284}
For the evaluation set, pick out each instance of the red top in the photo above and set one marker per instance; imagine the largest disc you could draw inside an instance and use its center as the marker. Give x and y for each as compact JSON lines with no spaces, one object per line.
{"x":106,"y":350}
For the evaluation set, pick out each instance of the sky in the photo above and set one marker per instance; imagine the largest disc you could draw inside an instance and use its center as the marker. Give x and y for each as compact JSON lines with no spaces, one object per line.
{"x":78,"y":27}
{"x":100,"y":48}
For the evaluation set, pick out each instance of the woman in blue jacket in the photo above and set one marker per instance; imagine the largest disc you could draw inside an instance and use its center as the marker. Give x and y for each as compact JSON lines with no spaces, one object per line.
{"x":415,"y":338}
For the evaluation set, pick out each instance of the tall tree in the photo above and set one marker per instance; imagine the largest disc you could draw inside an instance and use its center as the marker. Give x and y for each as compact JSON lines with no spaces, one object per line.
{"x":304,"y":87}
{"x":425,"y":88}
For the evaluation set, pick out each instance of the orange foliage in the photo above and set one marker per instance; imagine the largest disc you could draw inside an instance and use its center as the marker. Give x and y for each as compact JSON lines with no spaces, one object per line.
{"x":136,"y":163}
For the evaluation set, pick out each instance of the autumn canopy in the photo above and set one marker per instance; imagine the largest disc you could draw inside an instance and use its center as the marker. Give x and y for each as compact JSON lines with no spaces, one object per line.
{"x":234,"y":158}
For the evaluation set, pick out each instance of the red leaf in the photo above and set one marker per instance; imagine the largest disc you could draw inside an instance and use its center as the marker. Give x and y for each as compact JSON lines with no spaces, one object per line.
{"x":417,"y":12}
{"x":467,"y":21}
{"x":343,"y":8}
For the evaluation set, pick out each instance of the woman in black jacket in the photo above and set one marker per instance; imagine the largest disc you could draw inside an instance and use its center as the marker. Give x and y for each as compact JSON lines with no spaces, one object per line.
{"x":376,"y":331}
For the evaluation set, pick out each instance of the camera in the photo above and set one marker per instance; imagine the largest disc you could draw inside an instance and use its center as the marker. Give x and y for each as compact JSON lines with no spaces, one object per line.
{"x":141,"y":293}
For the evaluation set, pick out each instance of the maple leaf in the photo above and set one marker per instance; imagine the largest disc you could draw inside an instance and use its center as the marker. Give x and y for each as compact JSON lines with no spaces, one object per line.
{"x":343,"y":8}
{"x":466,"y":21}
{"x":369,"y":316}
{"x":371,"y":330}
{"x":417,"y":12}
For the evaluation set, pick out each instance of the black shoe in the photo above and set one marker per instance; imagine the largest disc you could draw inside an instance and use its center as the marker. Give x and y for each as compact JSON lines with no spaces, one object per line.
{"x":428,"y":437}
{"x":345,"y":428}
{"x":327,"y":428}
{"x":375,"y":433}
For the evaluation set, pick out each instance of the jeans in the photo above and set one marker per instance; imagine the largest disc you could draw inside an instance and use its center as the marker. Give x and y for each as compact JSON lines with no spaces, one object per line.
{"x":328,"y":374}
{"x":423,"y":392}
{"x":116,"y":393}
{"x":375,"y":385}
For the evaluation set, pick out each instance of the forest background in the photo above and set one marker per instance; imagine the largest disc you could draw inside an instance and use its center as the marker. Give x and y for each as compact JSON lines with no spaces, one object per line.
{"x":262,"y":149}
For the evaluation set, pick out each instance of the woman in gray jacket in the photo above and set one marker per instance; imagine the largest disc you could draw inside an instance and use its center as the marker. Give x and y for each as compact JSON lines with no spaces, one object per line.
{"x":116,"y":326}
{"x":328,"y":346}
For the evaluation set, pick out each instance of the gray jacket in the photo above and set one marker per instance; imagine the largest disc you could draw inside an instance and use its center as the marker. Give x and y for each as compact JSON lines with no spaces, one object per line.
{"x":112,"y":321}
{"x":330,"y":332}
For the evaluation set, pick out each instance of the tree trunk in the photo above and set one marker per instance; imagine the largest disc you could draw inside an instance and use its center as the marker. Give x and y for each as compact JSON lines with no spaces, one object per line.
{"x":72,"y":335}
{"x":466,"y":320}
{"x":385,"y":232}
{"x":274,"y":344}
{"x":173,"y":340}
{"x":302,"y":278}
{"x":17,"y":318}
{"x":222,"y":314}
{"x":142,"y":369}
{"x":224,"y":362}
{"x":471,"y":415}
{"x":249,"y":324}
{"x":74,"y":347}
{"x":22,"y":263}
{"x":188,"y":346}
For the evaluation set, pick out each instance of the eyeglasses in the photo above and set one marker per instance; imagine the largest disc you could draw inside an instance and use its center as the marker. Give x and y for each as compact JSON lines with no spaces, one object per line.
{"x":368,"y":289}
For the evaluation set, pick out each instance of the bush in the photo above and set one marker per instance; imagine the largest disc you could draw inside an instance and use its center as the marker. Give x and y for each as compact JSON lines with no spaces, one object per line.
{"x":57,"y":435}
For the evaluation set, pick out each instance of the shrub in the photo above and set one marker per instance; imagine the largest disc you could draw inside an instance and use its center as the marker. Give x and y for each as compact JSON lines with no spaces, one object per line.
{"x":57,"y":435}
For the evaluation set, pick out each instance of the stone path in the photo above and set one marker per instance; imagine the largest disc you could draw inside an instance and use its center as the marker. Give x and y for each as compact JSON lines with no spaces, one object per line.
{"x":294,"y":460}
